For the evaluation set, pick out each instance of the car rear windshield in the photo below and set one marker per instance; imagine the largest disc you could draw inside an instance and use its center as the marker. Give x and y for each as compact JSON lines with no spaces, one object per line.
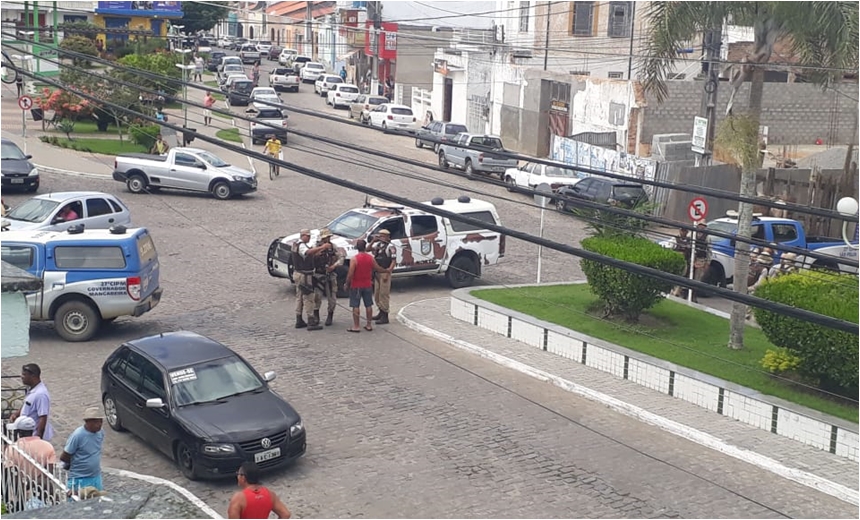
{"x":353,"y":90}
{"x":401,"y":111}
{"x":265,"y":43}
{"x":484,"y":216}
{"x":334,"y":79}
{"x":249,"y":48}
{"x":305,"y":59}
{"x":351,"y":224}
{"x":629,"y":192}
{"x":284,"y":72}
{"x":376,"y":100}
{"x":89,"y":257}
{"x":489,"y":142}
{"x":270,"y":114}
{"x":213,"y":380}
{"x":555,"y":171}
{"x":243,"y":85}
{"x":455,"y":129}
{"x":146,"y":249}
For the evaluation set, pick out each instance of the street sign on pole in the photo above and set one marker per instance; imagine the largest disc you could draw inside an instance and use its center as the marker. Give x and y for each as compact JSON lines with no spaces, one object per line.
{"x":700,"y":134}
{"x":542,"y":201}
{"x":698,"y":209}
{"x":25,"y":103}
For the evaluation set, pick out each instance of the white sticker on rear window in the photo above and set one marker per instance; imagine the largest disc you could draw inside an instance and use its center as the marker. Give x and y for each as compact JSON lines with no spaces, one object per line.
{"x":181,"y":376}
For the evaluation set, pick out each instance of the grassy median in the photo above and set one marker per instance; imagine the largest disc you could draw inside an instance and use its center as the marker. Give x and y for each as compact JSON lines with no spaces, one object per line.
{"x":670,"y":331}
{"x":229,"y":134}
{"x":102,"y":146}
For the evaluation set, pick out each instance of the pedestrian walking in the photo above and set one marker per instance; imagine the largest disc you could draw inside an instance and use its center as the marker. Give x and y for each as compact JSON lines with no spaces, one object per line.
{"x":385,"y":254}
{"x":82,"y":454}
{"x":254,"y":500}
{"x":256,"y":74}
{"x":343,"y":73}
{"x":325,"y":277}
{"x":208,"y":102}
{"x":359,"y":280}
{"x":198,"y":68}
{"x":37,"y":401}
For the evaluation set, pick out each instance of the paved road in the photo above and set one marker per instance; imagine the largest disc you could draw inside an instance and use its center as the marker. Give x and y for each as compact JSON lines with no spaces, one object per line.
{"x":399,"y":425}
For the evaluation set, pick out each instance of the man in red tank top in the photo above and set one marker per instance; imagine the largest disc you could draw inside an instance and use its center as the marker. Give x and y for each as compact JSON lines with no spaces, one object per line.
{"x":359,"y":281}
{"x":255,"y":500}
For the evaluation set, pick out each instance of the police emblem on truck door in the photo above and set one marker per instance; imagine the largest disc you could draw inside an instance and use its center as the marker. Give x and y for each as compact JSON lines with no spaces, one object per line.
{"x":426,"y":247}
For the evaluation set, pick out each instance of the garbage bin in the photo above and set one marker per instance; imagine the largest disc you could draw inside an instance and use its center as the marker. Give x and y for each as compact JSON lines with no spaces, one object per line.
{"x":38,"y":114}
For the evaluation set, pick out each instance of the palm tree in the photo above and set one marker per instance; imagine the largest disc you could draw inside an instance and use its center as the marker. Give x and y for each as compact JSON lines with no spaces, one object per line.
{"x":822,"y":35}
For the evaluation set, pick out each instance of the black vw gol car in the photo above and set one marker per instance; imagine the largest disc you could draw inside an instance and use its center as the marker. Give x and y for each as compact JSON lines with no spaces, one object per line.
{"x":199,"y":403}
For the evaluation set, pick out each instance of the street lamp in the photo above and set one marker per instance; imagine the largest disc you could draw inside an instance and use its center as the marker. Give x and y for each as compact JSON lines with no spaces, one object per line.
{"x":848,"y":207}
{"x":185,"y":68}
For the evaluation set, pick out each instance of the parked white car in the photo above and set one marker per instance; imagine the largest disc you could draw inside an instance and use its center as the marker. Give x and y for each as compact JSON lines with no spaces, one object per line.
{"x":266,"y":94}
{"x":49,"y":212}
{"x":325,"y":82}
{"x":531,"y":175}
{"x":311,"y":71}
{"x":342,"y":95}
{"x":391,"y":116}
{"x":286,"y":56}
{"x":263,"y":47}
{"x":284,"y":78}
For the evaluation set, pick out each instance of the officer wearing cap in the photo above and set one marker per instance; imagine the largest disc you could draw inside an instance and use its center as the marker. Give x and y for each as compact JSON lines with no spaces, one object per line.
{"x":303,"y":260}
{"x":385,"y":254}
{"x":325,"y":276}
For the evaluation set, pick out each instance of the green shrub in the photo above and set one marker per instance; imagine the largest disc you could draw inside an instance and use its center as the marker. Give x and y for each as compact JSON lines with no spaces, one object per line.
{"x":80,"y":44}
{"x":157,"y":63}
{"x":604,"y":223}
{"x":144,"y":134}
{"x":780,"y":360}
{"x":623,"y":293}
{"x":829,"y":355}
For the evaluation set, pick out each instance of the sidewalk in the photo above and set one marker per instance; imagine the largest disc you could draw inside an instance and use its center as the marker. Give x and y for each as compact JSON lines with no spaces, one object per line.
{"x":809,"y":466}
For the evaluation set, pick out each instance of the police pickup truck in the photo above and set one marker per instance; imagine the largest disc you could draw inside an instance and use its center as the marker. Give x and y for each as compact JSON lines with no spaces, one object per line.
{"x":425,"y":243}
{"x":88,"y":277}
{"x":779,"y":231}
{"x":475,"y":153}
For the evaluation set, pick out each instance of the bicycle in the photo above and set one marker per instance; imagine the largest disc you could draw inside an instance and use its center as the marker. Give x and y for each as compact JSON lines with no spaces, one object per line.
{"x":274,"y":170}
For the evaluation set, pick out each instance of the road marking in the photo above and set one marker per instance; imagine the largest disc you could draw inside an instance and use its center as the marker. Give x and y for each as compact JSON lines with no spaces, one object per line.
{"x":852,"y":496}
{"x":160,"y":481}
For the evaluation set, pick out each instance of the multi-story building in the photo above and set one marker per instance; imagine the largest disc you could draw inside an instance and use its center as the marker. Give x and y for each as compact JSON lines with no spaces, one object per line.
{"x":118,"y":18}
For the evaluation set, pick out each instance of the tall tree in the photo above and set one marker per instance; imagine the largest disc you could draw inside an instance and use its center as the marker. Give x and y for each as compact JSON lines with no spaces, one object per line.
{"x":822,"y":35}
{"x":199,"y":16}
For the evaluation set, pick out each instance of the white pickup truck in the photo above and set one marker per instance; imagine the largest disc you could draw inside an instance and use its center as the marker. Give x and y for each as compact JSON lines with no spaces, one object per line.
{"x":284,"y":78}
{"x":190,"y":169}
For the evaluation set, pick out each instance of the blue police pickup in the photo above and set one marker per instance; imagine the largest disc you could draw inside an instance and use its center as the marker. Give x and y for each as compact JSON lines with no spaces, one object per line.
{"x":88,"y":277}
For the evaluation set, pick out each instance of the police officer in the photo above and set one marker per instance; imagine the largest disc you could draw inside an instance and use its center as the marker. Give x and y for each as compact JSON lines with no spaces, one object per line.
{"x":385,"y":254}
{"x":303,"y":261}
{"x":325,"y":277}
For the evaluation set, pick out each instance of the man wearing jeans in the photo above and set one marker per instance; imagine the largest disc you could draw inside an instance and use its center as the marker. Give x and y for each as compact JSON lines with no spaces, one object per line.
{"x":359,"y":280}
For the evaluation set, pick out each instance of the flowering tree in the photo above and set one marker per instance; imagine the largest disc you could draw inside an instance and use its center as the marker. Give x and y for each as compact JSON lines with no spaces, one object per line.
{"x":65,"y":105}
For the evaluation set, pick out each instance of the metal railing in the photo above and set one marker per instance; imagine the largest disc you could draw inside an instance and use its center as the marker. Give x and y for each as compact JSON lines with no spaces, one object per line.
{"x":28,"y":483}
{"x":12,"y":393}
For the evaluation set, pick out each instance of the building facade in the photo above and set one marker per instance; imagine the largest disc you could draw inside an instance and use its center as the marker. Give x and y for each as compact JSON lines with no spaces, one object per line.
{"x":118,"y":18}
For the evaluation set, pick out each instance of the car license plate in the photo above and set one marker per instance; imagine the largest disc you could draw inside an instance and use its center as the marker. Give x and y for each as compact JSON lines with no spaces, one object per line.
{"x":498,"y":168}
{"x":274,"y":453}
{"x":17,"y":181}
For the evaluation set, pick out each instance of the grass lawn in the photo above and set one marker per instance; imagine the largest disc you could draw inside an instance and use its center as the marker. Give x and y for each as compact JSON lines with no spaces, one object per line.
{"x":222,"y":116}
{"x":670,"y":331}
{"x":106,"y":146}
{"x":229,"y":134}
{"x":89,"y":127}
{"x":216,"y":95}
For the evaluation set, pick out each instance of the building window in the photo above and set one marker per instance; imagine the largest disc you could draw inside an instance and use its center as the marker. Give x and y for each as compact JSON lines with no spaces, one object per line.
{"x":620,"y":22}
{"x":616,"y":75}
{"x":580,"y":73}
{"x":582,"y":22}
{"x":524,"y":16}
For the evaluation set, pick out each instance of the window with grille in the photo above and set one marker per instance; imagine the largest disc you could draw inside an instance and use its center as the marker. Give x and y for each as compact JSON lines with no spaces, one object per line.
{"x":524,"y":16}
{"x":620,"y":22}
{"x":616,"y":75}
{"x":583,"y":19}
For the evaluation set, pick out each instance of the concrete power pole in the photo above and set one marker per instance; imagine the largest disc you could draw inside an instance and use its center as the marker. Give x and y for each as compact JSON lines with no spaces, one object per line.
{"x":376,"y":15}
{"x":309,"y":29}
{"x":712,"y":44}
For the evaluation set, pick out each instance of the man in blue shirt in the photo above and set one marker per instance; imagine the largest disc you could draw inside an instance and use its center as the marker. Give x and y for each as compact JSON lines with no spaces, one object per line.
{"x":37,"y":401}
{"x":83,"y":452}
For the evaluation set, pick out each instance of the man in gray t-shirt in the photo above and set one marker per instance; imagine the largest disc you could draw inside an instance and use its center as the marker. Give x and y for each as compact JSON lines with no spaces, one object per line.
{"x":37,"y":401}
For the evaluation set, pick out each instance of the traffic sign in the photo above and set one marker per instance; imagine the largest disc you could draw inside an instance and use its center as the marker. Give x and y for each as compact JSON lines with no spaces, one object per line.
{"x":700,"y":134}
{"x":543,"y":200}
{"x":698,"y":209}
{"x":25,"y":102}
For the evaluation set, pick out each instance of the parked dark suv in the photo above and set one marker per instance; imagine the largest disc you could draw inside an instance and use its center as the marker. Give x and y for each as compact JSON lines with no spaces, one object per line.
{"x":602,"y":191}
{"x":239,"y":93}
{"x":214,"y":60}
{"x":438,"y":131}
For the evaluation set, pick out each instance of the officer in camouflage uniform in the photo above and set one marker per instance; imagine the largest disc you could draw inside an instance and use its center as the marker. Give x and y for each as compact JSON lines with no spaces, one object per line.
{"x":325,"y":276}
{"x":385,"y":254}
{"x":303,"y":261}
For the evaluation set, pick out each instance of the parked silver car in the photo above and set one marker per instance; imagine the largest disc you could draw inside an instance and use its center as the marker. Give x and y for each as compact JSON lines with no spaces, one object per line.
{"x":54,"y":212}
{"x":190,"y":169}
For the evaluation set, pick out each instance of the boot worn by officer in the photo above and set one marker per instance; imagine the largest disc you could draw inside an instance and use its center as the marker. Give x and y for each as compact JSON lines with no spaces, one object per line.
{"x":314,"y":324}
{"x":382,"y":319}
{"x":317,"y":316}
{"x":378,"y":315}
{"x":300,"y":323}
{"x":329,"y":318}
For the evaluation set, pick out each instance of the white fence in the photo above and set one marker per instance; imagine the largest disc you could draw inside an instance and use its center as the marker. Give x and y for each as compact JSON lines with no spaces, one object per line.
{"x":28,"y":483}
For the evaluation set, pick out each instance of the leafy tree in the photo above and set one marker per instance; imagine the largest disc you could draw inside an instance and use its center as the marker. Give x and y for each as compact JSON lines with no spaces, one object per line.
{"x":163,"y":64}
{"x":88,"y":29}
{"x":199,"y":16}
{"x":81,"y":45}
{"x":822,"y":34}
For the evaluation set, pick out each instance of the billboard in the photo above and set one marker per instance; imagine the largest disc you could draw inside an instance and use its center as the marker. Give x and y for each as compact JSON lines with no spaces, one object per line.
{"x":169,"y":9}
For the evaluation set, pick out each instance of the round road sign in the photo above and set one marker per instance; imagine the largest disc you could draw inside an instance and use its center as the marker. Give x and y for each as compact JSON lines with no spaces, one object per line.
{"x":25,"y":102}
{"x":698,"y":209}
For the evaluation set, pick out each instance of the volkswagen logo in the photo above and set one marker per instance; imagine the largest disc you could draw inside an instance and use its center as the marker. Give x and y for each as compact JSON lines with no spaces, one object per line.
{"x":266,"y":443}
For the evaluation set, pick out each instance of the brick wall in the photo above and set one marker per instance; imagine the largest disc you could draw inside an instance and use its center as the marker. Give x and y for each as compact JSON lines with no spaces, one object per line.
{"x":795,"y":113}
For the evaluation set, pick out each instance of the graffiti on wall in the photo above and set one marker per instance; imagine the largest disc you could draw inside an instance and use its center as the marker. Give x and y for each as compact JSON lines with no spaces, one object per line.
{"x":576,"y":153}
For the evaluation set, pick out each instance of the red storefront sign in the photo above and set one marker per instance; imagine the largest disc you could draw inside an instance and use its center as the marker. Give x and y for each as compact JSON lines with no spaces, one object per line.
{"x":384,"y":45}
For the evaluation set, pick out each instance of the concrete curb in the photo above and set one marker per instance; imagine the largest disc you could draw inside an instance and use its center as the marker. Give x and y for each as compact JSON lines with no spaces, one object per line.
{"x":191,"y":497}
{"x":851,"y":496}
{"x":58,"y":171}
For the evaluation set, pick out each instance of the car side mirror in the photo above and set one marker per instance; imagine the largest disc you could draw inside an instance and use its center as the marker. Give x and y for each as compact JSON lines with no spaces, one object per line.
{"x":28,"y":157}
{"x":269,"y":376}
{"x":155,"y":402}
{"x":200,"y":165}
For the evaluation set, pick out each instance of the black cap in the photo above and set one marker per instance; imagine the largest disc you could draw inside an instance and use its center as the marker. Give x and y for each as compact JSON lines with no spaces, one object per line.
{"x":32,"y":368}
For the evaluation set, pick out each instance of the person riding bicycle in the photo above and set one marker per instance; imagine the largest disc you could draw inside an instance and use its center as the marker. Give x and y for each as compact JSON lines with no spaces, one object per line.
{"x":273,"y":148}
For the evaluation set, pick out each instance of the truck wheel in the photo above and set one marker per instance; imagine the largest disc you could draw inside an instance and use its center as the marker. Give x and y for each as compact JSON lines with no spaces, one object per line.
{"x":443,"y":162}
{"x":222,"y":191}
{"x":270,"y":256}
{"x":511,"y":183}
{"x":76,"y":321}
{"x":461,"y":272}
{"x":136,"y":184}
{"x":469,"y":171}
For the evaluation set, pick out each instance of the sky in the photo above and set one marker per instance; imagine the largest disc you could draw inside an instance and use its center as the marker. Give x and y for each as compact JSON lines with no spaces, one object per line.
{"x":443,"y":14}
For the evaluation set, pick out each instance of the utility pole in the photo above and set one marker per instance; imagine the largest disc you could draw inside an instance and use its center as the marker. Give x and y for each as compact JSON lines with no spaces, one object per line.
{"x":376,"y":10}
{"x":632,"y":32}
{"x":309,"y":31}
{"x":712,"y":43}
{"x":546,"y":40}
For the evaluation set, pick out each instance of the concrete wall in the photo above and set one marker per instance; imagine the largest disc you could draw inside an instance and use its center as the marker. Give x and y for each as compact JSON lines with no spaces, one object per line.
{"x":674,"y":203}
{"x":795,"y":113}
{"x":414,"y":65}
{"x":14,"y":324}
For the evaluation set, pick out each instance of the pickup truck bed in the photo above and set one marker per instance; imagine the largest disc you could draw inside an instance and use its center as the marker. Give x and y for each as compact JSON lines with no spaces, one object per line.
{"x":145,"y":156}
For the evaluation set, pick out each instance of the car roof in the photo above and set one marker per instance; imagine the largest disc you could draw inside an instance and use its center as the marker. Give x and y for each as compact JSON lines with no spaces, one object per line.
{"x":776,"y":220}
{"x":44,"y":237}
{"x":174,"y":350}
{"x":8,"y":141}
{"x":383,"y":209}
{"x":61,"y":196}
{"x":327,"y":76}
{"x":339,"y":85}
{"x":395,"y":105}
